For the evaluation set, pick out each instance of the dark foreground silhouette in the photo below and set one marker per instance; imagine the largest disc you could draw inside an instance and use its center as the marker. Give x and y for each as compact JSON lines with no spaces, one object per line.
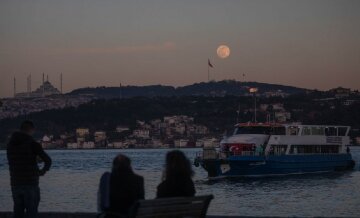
{"x":177,"y":177}
{"x":121,"y":190}
{"x":22,"y":154}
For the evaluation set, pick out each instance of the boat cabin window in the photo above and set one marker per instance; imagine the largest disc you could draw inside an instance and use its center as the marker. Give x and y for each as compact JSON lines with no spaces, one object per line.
{"x":317,"y":130}
{"x":330,"y":149}
{"x":331,"y":131}
{"x":280,"y":130}
{"x":267,"y":130}
{"x":278,"y":149}
{"x":320,"y":130}
{"x":313,"y":130}
{"x":314,"y":149}
{"x":292,"y":130}
{"x":252,"y":130}
{"x":342,"y":131}
{"x":306,"y":131}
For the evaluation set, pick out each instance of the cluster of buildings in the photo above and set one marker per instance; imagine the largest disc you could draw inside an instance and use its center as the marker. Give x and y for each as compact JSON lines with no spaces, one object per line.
{"x":13,"y":107}
{"x":45,"y":97}
{"x":170,"y":132}
{"x":341,"y":92}
{"x":276,"y":112}
{"x":346,"y":96}
{"x":269,"y":94}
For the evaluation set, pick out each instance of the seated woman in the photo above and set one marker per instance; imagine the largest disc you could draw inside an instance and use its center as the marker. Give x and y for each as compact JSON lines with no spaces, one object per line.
{"x":177,"y":177}
{"x":121,"y":188}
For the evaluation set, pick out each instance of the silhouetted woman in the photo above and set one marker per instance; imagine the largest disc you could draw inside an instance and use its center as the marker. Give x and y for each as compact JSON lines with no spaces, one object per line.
{"x":177,"y":178}
{"x":125,"y":187}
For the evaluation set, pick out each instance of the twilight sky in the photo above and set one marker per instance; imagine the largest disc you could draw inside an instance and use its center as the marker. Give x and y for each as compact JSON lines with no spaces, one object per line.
{"x":305,"y":43}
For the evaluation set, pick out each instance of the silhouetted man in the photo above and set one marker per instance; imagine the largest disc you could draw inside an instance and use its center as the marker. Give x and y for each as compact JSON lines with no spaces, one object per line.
{"x":23,"y":153}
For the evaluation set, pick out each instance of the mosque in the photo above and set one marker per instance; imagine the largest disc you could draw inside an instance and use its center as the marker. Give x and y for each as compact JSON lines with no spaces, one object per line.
{"x":46,"y":89}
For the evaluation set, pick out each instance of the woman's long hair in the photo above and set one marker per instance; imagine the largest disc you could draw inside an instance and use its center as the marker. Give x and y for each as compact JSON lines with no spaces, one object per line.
{"x":122,"y":166}
{"x":177,"y":166}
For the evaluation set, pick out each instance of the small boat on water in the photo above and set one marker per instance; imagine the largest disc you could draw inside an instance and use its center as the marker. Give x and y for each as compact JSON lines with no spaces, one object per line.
{"x":271,"y":149}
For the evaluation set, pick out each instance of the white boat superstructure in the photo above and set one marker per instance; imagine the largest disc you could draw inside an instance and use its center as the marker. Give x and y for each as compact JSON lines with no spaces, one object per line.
{"x":288,"y":138}
{"x":265,"y":149}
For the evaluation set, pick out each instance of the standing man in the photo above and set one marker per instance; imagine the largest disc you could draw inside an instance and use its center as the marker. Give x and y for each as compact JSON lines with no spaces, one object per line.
{"x":22,"y":153}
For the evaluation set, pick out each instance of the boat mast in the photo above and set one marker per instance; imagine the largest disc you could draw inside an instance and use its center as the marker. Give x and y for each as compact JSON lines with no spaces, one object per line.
{"x":255,"y":106}
{"x":254,"y":90}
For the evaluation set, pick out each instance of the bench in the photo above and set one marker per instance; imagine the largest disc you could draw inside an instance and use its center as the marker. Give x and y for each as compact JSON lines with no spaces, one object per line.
{"x":179,"y":207}
{"x":173,"y":207}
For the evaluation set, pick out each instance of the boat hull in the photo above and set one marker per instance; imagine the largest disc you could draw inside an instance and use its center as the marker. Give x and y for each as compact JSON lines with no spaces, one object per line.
{"x":252,"y":166}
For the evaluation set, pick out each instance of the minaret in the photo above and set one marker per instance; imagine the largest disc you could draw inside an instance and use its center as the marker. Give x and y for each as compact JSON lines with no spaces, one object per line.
{"x":47,"y":78}
{"x":14,"y":87}
{"x":27,"y":86}
{"x":43,"y":81}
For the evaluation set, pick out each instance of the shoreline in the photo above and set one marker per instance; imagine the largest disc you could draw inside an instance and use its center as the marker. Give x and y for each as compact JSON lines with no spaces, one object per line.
{"x":88,"y":149}
{"x":7,"y":214}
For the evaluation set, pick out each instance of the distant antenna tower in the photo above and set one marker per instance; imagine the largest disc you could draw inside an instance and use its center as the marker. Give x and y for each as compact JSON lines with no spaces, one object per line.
{"x":61,"y":83}
{"x":120,"y":91}
{"x":238,"y":114}
{"x":29,"y":84}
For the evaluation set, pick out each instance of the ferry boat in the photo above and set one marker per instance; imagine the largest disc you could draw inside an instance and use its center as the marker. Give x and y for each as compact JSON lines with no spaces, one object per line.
{"x":271,"y":149}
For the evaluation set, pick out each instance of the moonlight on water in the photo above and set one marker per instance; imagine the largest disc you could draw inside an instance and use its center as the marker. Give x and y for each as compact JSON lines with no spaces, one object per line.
{"x":223,"y":51}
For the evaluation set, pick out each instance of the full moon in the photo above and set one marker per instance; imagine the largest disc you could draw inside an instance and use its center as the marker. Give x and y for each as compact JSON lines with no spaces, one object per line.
{"x":223,"y":51}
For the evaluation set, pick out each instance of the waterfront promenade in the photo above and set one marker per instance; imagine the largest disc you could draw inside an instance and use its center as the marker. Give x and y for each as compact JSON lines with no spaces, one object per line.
{"x":86,"y":215}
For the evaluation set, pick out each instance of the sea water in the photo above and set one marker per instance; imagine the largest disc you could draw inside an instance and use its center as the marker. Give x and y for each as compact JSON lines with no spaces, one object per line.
{"x":71,"y":186}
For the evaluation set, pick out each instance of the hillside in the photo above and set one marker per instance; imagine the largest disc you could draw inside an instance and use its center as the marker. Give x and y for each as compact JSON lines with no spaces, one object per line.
{"x":217,"y":113}
{"x":220,"y":88}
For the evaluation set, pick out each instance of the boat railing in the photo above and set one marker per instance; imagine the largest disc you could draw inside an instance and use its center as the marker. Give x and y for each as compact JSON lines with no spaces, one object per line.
{"x":225,"y":154}
{"x":208,"y":154}
{"x":213,"y":154}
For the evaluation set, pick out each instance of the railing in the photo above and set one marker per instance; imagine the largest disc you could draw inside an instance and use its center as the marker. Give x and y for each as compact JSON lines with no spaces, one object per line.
{"x":213,"y":154}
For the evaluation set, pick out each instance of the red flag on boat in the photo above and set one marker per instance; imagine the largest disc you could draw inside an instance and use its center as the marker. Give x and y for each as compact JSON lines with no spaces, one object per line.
{"x":209,"y":63}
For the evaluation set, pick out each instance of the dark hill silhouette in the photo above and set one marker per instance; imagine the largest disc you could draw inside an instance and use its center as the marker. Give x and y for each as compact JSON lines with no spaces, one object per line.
{"x":217,"y":113}
{"x":220,"y":88}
